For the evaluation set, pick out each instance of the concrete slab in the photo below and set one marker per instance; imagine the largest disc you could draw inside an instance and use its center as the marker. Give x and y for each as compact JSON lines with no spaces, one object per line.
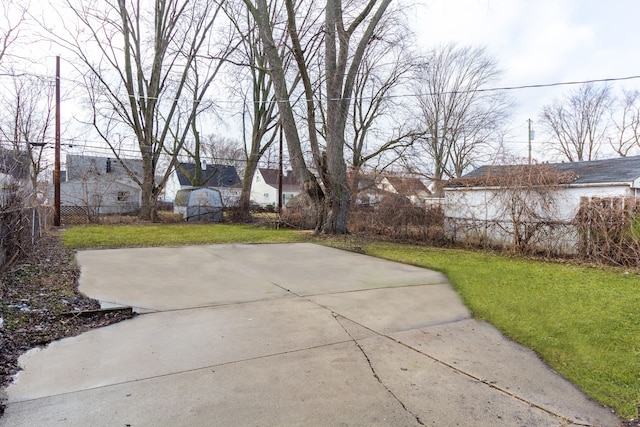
{"x":159,"y":344}
{"x":397,"y":309}
{"x":308,"y":269}
{"x":482,"y":352}
{"x":440,"y":396}
{"x":329,"y":385}
{"x":170,"y":278}
{"x":284,"y":335}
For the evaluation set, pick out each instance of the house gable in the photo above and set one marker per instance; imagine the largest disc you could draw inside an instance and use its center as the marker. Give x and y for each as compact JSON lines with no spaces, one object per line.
{"x":407,"y":186}
{"x":264,"y":187}
{"x":289,"y":181}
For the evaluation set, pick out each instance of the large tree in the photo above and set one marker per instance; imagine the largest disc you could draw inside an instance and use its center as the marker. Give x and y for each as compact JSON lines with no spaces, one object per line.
{"x":460,"y":118}
{"x":253,"y":86}
{"x":380,"y":128}
{"x":578,"y":122}
{"x":344,"y":47}
{"x":149,"y":67}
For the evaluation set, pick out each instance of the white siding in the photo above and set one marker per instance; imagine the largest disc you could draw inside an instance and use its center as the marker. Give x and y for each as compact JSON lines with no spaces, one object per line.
{"x":481,"y":214}
{"x":100,"y":196}
{"x":262,"y":193}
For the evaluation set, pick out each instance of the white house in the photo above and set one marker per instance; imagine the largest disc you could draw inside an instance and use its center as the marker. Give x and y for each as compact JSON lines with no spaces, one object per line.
{"x":264,"y":187}
{"x":223,"y":178}
{"x":491,"y":205}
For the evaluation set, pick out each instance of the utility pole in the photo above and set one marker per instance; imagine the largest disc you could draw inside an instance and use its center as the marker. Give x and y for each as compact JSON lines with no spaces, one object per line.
{"x":56,"y":166}
{"x":280,"y":178}
{"x":531,"y":137}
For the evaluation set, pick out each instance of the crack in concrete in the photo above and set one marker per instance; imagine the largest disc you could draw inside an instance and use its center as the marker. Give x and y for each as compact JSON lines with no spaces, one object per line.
{"x":373,"y":371}
{"x":565,"y":420}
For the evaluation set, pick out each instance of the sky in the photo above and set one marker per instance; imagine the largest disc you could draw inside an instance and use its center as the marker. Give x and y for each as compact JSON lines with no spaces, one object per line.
{"x":540,"y":42}
{"x":534,"y":42}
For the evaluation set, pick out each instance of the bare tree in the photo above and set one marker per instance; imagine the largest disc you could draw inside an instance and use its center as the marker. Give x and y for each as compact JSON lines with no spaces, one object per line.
{"x":380,"y":130}
{"x":254,"y":87}
{"x":344,"y":48}
{"x":460,"y":118}
{"x":139,"y":60}
{"x":578,"y":123}
{"x":12,"y":15}
{"x":626,"y":121}
{"x":26,"y":123}
{"x":224,"y":150}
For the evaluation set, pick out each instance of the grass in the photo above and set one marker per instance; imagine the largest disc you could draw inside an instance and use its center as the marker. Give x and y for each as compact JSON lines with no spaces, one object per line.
{"x":583,"y":321}
{"x":110,"y":236}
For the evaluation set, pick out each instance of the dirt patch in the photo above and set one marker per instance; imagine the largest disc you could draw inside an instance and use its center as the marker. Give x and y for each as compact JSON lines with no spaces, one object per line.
{"x":40,"y":303}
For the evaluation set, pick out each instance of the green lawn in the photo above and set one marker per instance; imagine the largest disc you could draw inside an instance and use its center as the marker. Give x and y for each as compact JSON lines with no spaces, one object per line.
{"x":115,"y":236}
{"x":583,"y":321}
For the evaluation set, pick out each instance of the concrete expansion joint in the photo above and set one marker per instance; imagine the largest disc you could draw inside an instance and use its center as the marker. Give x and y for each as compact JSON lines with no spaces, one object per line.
{"x":176,"y":373}
{"x":491,"y":384}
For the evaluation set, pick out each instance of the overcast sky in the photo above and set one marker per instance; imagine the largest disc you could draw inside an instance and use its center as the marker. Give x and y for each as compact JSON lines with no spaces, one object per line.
{"x":535,"y":42}
{"x":540,"y":41}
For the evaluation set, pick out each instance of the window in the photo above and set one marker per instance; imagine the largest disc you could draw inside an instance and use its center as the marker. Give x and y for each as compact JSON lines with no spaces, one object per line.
{"x":123,"y":196}
{"x":266,"y":195}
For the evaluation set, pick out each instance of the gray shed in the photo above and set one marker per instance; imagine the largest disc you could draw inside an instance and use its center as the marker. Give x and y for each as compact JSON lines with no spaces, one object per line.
{"x":199,"y":204}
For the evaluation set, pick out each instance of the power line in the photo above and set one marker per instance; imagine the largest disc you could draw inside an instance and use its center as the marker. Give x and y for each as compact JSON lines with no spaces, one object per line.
{"x":542,"y":85}
{"x":491,"y":89}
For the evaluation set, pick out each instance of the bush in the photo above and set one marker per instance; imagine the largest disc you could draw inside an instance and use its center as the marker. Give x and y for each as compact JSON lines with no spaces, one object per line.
{"x":399,"y":219}
{"x":609,"y":230}
{"x":20,"y":224}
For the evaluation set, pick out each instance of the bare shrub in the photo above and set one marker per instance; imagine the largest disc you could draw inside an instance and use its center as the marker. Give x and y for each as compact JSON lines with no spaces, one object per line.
{"x":397,"y":218}
{"x":517,"y":209}
{"x":20,"y":224}
{"x":301,"y":212}
{"x":609,"y":230}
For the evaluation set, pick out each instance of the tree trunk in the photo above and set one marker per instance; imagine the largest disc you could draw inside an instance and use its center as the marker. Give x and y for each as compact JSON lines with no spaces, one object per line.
{"x":244,"y":205}
{"x":149,"y":202}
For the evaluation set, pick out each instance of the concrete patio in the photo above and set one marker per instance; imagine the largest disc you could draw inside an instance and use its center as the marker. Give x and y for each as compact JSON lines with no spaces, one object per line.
{"x":285,"y":334}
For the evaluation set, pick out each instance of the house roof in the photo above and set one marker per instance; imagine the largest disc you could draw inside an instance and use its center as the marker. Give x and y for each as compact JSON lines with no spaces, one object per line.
{"x":213,"y":176}
{"x":617,"y":170}
{"x":408,"y":185}
{"x":80,"y":166}
{"x":289,"y":181}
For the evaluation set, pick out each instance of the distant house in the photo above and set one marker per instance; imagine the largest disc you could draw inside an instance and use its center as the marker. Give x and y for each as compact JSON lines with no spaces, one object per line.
{"x":264,"y":188}
{"x":410,"y":187}
{"x":223,"y":178}
{"x":365,"y":191}
{"x":14,"y":172}
{"x":481,"y":205}
{"x":99,"y":185}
